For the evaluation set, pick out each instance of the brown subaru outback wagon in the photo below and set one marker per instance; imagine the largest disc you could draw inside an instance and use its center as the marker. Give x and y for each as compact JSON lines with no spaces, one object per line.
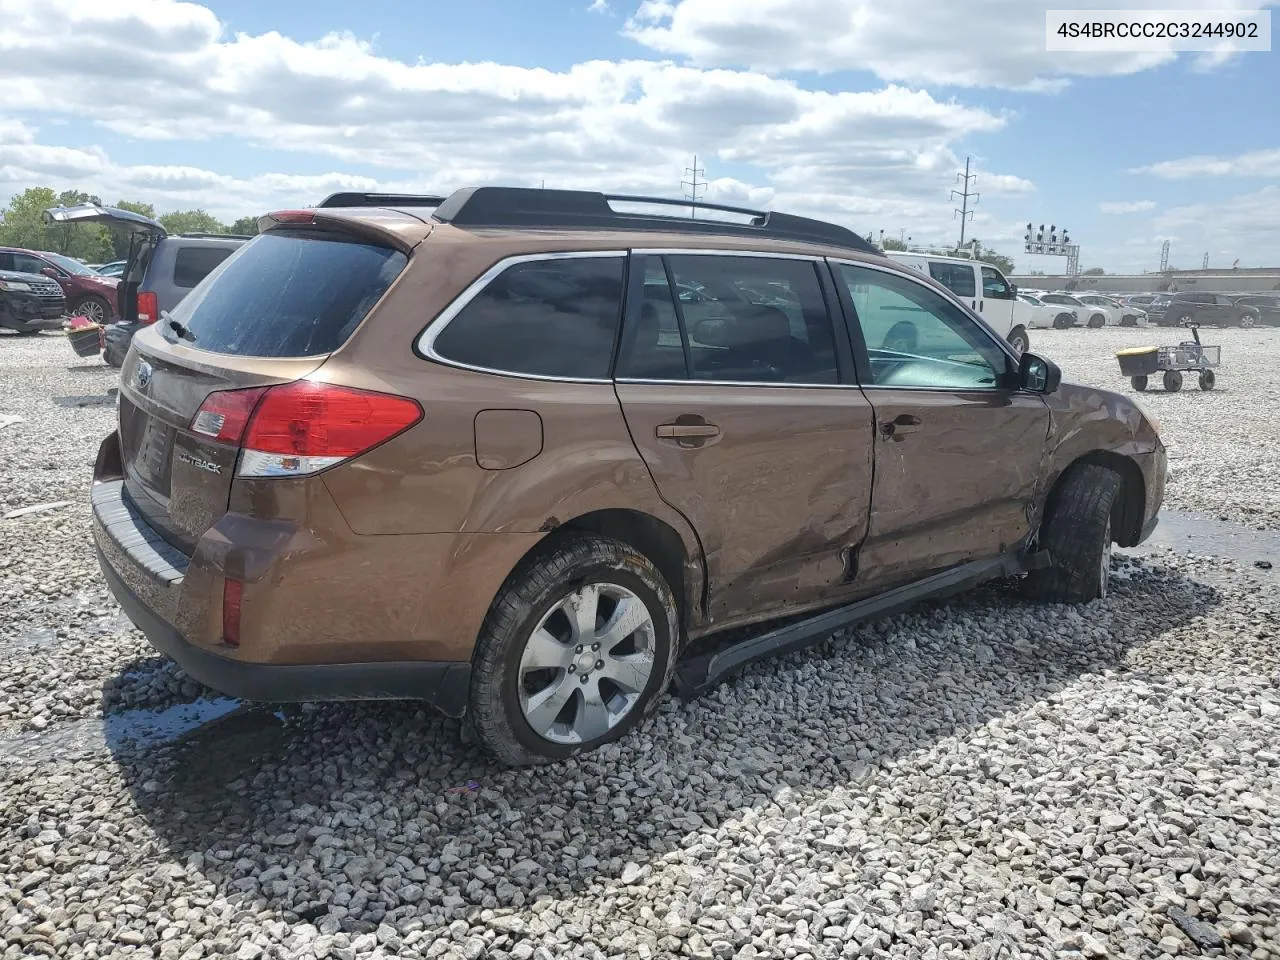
{"x":527,"y":455}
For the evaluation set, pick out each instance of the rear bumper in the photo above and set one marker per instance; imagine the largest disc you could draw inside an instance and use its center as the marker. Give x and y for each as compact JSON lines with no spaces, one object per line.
{"x":146,"y":576}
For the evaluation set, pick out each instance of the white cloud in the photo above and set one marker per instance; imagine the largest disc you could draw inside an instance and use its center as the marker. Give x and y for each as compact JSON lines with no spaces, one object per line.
{"x":1127,"y":206}
{"x":158,"y":70}
{"x":599,"y":6}
{"x":1256,"y":163}
{"x":980,"y":43}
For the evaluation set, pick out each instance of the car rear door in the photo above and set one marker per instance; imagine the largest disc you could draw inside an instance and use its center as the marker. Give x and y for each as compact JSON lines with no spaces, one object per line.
{"x":958,"y":449}
{"x":995,"y":305}
{"x":743,"y":408}
{"x":960,"y":278}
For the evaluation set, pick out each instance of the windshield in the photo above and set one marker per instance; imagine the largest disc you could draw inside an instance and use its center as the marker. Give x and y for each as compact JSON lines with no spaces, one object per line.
{"x":70,"y":266}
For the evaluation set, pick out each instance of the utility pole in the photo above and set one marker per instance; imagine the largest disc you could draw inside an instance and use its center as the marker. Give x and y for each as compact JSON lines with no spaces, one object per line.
{"x":1164,"y":257}
{"x":1205,"y":265}
{"x":693,"y":183}
{"x":964,"y":212}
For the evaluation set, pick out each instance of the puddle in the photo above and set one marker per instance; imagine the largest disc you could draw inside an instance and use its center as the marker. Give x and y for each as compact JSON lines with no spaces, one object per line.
{"x":34,"y":639}
{"x":1203,"y":535}
{"x":123,"y":732}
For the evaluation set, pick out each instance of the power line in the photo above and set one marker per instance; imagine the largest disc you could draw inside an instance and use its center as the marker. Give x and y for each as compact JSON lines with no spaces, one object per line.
{"x":964,"y":212}
{"x":693,"y":183}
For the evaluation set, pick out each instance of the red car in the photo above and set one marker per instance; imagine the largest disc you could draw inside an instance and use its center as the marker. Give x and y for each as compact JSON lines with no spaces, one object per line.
{"x":89,"y":294}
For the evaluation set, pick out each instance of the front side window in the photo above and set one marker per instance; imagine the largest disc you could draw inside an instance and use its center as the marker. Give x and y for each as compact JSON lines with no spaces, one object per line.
{"x":956,"y":277}
{"x":556,"y":317}
{"x":994,"y":285}
{"x":916,"y":338}
{"x":25,"y":263}
{"x":741,"y":319}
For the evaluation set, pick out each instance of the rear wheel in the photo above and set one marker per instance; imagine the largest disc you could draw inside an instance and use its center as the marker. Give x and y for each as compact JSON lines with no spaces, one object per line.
{"x":1207,"y":380}
{"x":94,"y":309}
{"x":1139,"y":383}
{"x":1019,"y":340}
{"x":1173,"y":380}
{"x":1077,"y":534}
{"x":577,"y":649}
{"x":1184,"y":319}
{"x":1096,"y":321}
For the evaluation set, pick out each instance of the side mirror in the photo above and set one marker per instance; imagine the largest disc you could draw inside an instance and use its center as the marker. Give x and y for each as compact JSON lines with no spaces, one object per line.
{"x":49,"y":272}
{"x":1013,"y":290}
{"x":1037,"y":374}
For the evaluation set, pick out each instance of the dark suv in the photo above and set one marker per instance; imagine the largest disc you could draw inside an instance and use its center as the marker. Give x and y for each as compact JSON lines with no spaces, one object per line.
{"x":88,"y":294}
{"x":530,"y":455}
{"x":30,"y":302}
{"x":1216,"y":309}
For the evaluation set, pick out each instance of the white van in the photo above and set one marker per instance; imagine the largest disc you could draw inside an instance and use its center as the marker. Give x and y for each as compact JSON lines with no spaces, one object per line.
{"x":982,"y":288}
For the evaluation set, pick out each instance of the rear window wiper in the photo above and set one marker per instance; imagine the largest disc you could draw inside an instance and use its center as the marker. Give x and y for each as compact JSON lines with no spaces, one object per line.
{"x":177,"y":327}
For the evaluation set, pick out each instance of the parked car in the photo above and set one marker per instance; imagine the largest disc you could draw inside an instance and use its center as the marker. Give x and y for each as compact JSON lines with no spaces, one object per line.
{"x":1116,"y":313}
{"x":1216,"y":309}
{"x":981,"y":286}
{"x":30,"y":302}
{"x":1153,"y":304}
{"x":1267,"y":305}
{"x":160,"y":271}
{"x":1048,"y":314}
{"x":88,"y":294}
{"x":113,"y":269}
{"x":474,"y":451}
{"x":1089,"y":315}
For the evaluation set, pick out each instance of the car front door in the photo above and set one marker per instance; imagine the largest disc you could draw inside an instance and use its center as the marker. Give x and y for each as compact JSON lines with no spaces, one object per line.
{"x":958,"y":449}
{"x":996,"y":303}
{"x":743,"y":404}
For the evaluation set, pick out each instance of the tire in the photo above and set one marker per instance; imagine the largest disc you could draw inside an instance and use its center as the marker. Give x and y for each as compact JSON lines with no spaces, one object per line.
{"x":1173,"y":380}
{"x":1207,"y":380}
{"x":1246,"y":320}
{"x":94,"y":308}
{"x":1184,"y":319}
{"x":1077,"y":533}
{"x":1139,"y":383}
{"x":508,"y":685}
{"x":1096,"y":321}
{"x":1062,"y":321}
{"x":1019,"y":340}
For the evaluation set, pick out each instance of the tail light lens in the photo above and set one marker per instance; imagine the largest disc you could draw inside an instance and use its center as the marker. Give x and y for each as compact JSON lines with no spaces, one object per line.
{"x":148,"y":307}
{"x":302,"y":427}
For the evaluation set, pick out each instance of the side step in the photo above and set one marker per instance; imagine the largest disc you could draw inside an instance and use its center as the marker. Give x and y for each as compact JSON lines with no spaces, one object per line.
{"x":697,"y":675}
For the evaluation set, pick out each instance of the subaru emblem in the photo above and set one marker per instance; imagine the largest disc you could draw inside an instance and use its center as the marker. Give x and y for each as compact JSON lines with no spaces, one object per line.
{"x":144,"y":374}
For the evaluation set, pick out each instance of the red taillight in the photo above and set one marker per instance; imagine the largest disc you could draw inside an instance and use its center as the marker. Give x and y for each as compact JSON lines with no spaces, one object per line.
{"x":148,"y":307}
{"x":224,"y":414}
{"x":299,"y":428}
{"x":232,"y":595}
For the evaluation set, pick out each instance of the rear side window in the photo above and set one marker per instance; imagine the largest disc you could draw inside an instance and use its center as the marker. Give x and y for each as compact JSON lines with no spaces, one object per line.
{"x":549,"y":318}
{"x":288,"y":294}
{"x":193,"y":264}
{"x":956,"y":277}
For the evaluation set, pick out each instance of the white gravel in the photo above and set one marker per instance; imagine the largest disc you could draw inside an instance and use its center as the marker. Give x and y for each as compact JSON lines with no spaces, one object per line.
{"x":984,"y":778}
{"x":1224,"y":445}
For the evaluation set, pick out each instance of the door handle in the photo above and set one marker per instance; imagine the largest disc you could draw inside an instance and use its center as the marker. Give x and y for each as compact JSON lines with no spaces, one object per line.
{"x":981,"y":305}
{"x":899,"y":426}
{"x":687,"y":431}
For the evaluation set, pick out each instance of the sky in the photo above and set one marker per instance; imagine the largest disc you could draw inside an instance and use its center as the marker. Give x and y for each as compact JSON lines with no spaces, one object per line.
{"x":858,"y":111}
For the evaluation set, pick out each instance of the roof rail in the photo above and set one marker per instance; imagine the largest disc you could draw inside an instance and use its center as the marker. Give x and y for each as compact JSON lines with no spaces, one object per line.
{"x":381,"y":200}
{"x":537,"y":207}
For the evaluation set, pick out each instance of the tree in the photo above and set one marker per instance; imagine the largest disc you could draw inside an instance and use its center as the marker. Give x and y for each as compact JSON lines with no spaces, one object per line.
{"x":25,"y":226}
{"x":245,"y":227}
{"x":120,"y":239}
{"x":1094,"y":272}
{"x":890,"y":243}
{"x":987,"y":255}
{"x":192,"y":221}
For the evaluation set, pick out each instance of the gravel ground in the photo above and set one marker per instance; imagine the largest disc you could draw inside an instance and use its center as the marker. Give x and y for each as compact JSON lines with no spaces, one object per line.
{"x":1224,"y":446}
{"x":984,"y":778}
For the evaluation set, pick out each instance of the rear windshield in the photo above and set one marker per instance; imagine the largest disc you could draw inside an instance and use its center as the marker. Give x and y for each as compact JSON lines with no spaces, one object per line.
{"x":287,"y":294}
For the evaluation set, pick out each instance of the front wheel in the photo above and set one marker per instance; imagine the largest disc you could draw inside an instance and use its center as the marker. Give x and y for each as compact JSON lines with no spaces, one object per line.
{"x":1096,"y":321}
{"x":577,"y":649}
{"x":1139,"y":383}
{"x":1019,"y":340}
{"x":1207,"y":380}
{"x":1246,"y":320}
{"x":1077,"y":534}
{"x":1172,"y":381}
{"x":1063,"y":320}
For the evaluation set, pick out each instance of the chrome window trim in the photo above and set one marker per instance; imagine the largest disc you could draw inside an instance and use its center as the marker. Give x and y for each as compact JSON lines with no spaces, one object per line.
{"x":425,"y":343}
{"x":694,"y":382}
{"x":946,"y":294}
{"x":710,"y":252}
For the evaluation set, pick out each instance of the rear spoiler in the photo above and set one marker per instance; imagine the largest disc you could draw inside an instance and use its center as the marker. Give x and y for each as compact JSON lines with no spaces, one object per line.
{"x":397,"y":229}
